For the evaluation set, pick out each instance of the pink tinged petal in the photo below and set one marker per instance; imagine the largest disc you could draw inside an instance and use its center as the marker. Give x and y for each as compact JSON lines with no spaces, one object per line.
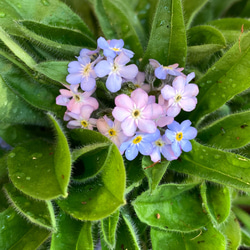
{"x":88,"y":83}
{"x":62,"y":100}
{"x":88,"y":93}
{"x":74,"y":115}
{"x":124,"y":101}
{"x":155,"y":155}
{"x":86,"y":112}
{"x":114,"y":83}
{"x":168,"y":92}
{"x":129,"y":126}
{"x":155,"y":110}
{"x":129,"y":72}
{"x":74,"y":78}
{"x":188,"y":104}
{"x":66,"y":92}
{"x":116,"y":141}
{"x":108,"y":121}
{"x":146,"y":87}
{"x":102,"y":68}
{"x":190,"y":77}
{"x":163,"y":121}
{"x":120,"y":113}
{"x":122,"y":59}
{"x":168,"y":153}
{"x":174,"y":66}
{"x":140,"y":78}
{"x":74,"y":124}
{"x":66,"y":117}
{"x":190,"y":133}
{"x":140,"y":98}
{"x":173,"y":110}
{"x":102,"y":126}
{"x":92,"y":122}
{"x":154,"y":63}
{"x":191,"y":90}
{"x":147,"y":126}
{"x":151,"y":99}
{"x":179,"y":83}
{"x":186,"y":145}
{"x":74,"y":106}
{"x":92,"y":102}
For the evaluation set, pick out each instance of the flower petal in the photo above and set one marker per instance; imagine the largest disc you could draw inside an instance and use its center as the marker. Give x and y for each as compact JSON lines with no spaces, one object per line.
{"x":189,"y":133}
{"x":179,"y":83}
{"x":160,"y":73}
{"x":173,"y":110}
{"x":124,"y":101}
{"x":131,"y":153}
{"x":186,"y":145}
{"x":176,"y":149}
{"x":140,"y":98}
{"x":168,"y":92}
{"x":129,"y":72}
{"x":147,"y":126}
{"x":88,"y":83}
{"x":191,"y":90}
{"x":114,"y":83}
{"x":145,"y":148}
{"x":102,"y":43}
{"x":129,"y":126}
{"x":188,"y":104}
{"x":74,"y":78}
{"x":102,"y":68}
{"x":122,"y":59}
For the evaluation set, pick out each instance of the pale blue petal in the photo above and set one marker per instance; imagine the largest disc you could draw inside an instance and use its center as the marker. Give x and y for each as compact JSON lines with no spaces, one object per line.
{"x":171,"y":135}
{"x":102,"y":43}
{"x":88,"y":84}
{"x":176,"y":148}
{"x":189,"y":133}
{"x":160,"y":73}
{"x":175,"y":126}
{"x":125,"y":145}
{"x":186,"y":145}
{"x":114,"y":83}
{"x":185,"y":124}
{"x":115,"y":43}
{"x":102,"y":68}
{"x":74,"y":78}
{"x":131,"y":152}
{"x":145,"y":148}
{"x":109,"y":53}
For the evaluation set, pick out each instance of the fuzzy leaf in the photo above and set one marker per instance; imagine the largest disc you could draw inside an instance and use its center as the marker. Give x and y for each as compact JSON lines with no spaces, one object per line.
{"x":17,"y":234}
{"x":229,"y":132}
{"x":164,"y":208}
{"x":242,"y":216}
{"x":36,"y":211}
{"x":245,"y":238}
{"x":221,"y":82}
{"x":126,"y":24}
{"x":85,"y":240}
{"x":217,"y":202}
{"x":167,"y":42}
{"x":68,"y":232}
{"x":154,"y":173}
{"x":207,"y":238}
{"x":109,"y":227}
{"x":215,"y":165}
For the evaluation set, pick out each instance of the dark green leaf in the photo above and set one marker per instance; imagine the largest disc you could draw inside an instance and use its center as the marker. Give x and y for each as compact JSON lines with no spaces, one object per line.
{"x":217,"y":202}
{"x":68,"y":232}
{"x":109,"y":226}
{"x":85,"y":240}
{"x":206,"y":238}
{"x":17,"y":234}
{"x":155,"y":172}
{"x":232,"y":232}
{"x":126,"y":24}
{"x":171,"y":206}
{"x":243,"y":216}
{"x":230,"y":132}
{"x":36,"y":211}
{"x":221,"y":82}
{"x":215,"y":165}
{"x":167,"y":42}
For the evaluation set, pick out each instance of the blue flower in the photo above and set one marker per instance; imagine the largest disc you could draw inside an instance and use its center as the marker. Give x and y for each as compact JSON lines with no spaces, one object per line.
{"x":141,"y":142}
{"x":113,"y":47}
{"x":179,"y":135}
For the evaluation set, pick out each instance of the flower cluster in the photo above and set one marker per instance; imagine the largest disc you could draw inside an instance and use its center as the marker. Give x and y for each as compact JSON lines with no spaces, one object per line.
{"x":138,"y":122}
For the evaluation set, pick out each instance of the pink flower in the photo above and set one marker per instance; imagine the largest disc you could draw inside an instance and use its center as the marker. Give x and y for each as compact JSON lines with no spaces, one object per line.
{"x":139,"y":82}
{"x":180,"y":96}
{"x":74,"y":99}
{"x":136,"y":112}
{"x":83,"y":119}
{"x":112,"y":130}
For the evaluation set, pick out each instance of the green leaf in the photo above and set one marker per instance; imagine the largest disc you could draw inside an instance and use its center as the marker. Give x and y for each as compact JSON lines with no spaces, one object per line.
{"x":101,"y":196}
{"x":154,"y":173}
{"x":171,"y":206}
{"x":167,"y":42}
{"x":109,"y":227}
{"x":36,"y":211}
{"x":229,"y":132}
{"x":191,"y":8}
{"x":231,"y":230}
{"x":220,"y":83}
{"x":215,"y":165}
{"x":126,"y":24}
{"x":85,"y":240}
{"x":245,"y":238}
{"x":68,"y":232}
{"x":47,"y":12}
{"x":15,"y":111}
{"x":17,"y":234}
{"x":243,"y":216}
{"x":102,"y":17}
{"x":217,"y":202}
{"x":207,"y":238}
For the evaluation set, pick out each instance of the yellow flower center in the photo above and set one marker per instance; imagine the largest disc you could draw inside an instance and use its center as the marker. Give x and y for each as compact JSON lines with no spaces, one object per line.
{"x":116,"y":49}
{"x":112,"y":132}
{"x":77,"y":98}
{"x":159,"y":143}
{"x":166,"y":67}
{"x":84,"y":123}
{"x":137,"y":139}
{"x":178,"y":98}
{"x":179,"y":136}
{"x":86,"y":69}
{"x":136,"y":113}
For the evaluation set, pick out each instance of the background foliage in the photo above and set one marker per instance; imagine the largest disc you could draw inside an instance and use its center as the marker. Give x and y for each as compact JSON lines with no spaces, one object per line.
{"x":64,"y":189}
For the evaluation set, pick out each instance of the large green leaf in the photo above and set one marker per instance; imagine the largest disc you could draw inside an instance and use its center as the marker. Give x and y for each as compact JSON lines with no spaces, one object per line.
{"x":229,"y":132}
{"x":85,"y":240}
{"x":167,"y":42}
{"x":245,"y":238}
{"x":206,"y":238}
{"x":42,"y":169}
{"x":38,"y":212}
{"x":17,"y":234}
{"x":126,"y":24}
{"x":154,"y":173}
{"x":215,"y":165}
{"x":172,"y":207}
{"x":109,"y":226}
{"x":217,"y":202}
{"x":226,"y":78}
